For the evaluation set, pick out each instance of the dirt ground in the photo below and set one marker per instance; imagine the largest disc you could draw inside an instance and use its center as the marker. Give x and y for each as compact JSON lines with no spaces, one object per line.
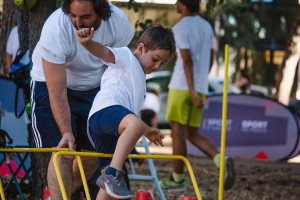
{"x":255,"y":179}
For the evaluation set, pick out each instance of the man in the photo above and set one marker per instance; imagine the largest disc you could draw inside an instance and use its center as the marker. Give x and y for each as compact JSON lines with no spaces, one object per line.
{"x":66,"y":78}
{"x":187,"y":89}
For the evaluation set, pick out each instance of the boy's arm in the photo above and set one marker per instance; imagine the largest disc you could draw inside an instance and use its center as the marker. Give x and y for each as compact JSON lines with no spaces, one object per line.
{"x":85,"y":36}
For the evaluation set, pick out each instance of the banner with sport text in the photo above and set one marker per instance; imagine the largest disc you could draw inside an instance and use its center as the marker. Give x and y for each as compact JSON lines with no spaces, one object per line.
{"x":256,"y":127}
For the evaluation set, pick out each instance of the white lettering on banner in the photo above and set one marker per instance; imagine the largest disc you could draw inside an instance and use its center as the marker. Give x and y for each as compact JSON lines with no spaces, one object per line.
{"x":215,"y":124}
{"x":254,"y":126}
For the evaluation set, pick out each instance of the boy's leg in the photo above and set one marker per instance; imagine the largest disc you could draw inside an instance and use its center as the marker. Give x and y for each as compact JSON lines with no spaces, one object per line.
{"x":131,"y":129}
{"x":102,"y":195}
{"x":103,"y":130}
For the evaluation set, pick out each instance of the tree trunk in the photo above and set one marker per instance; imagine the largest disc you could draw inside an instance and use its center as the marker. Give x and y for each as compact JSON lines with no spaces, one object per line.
{"x":289,"y":64}
{"x":30,"y":26}
{"x":7,"y":22}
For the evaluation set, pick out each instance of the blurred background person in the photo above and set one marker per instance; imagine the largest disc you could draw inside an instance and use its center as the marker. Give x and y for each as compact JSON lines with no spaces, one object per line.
{"x":242,"y":81}
{"x":12,"y":47}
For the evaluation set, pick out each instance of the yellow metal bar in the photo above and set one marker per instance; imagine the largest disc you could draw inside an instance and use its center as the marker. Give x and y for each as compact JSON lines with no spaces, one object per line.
{"x":1,"y":190}
{"x":61,"y":185}
{"x":33,"y":149}
{"x":86,"y":189}
{"x":59,"y":178}
{"x":224,"y":119}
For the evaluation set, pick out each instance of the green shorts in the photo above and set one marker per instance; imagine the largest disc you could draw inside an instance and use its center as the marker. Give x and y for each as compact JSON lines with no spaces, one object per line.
{"x":181,"y":109}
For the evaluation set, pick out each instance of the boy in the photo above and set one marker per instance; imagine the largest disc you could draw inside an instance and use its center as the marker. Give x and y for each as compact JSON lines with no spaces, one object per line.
{"x":113,"y":123}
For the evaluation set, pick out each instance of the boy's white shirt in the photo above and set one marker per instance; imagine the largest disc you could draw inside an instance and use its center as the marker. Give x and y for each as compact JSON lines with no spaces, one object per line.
{"x":58,"y":44}
{"x":196,"y":35}
{"x":123,"y":83}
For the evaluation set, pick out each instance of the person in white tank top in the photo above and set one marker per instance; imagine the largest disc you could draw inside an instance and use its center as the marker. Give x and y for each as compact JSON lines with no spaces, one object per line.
{"x":187,"y":91}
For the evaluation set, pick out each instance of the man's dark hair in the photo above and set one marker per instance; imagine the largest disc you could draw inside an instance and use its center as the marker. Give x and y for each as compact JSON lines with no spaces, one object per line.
{"x":101,"y":7}
{"x":192,"y":5}
{"x":158,"y":37}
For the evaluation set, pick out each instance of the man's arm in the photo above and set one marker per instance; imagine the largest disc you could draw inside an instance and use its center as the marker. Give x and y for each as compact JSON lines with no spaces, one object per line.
{"x":188,"y":69}
{"x":8,"y":61}
{"x":55,"y":75}
{"x":85,"y":36}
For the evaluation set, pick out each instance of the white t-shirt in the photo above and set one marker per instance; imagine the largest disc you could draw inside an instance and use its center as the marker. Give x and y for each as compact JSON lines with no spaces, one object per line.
{"x":58,"y":44}
{"x":123,"y":83}
{"x":12,"y":44}
{"x":196,"y":35}
{"x":151,"y":102}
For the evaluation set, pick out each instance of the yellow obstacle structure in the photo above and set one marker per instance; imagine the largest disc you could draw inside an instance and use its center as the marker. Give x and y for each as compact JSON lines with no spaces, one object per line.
{"x":65,"y":151}
{"x":36,"y":150}
{"x":77,"y":154}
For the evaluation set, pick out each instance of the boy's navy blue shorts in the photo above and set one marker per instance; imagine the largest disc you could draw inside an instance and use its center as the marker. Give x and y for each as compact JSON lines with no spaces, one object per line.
{"x":46,"y":132}
{"x":103,"y":130}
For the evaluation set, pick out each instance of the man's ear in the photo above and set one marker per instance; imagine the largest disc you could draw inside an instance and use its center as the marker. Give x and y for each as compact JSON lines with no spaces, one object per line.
{"x":141,"y":47}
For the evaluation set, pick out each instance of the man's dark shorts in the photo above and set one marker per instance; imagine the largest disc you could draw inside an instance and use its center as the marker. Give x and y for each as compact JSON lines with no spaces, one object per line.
{"x":103,"y":130}
{"x":46,"y":132}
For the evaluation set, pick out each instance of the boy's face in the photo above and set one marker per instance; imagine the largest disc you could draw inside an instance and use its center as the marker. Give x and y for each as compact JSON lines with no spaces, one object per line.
{"x":83,"y":15}
{"x":152,"y":60}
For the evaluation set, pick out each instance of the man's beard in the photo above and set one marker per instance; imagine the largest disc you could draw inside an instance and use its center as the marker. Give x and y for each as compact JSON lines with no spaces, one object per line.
{"x":95,"y":25}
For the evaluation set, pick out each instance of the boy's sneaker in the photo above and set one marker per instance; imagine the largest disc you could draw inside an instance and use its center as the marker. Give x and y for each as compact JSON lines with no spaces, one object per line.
{"x":114,"y":186}
{"x":229,"y":176}
{"x":169,"y":183}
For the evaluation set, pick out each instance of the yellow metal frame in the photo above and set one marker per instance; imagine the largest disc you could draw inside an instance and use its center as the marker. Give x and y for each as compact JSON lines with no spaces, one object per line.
{"x":37,"y":150}
{"x":65,"y":151}
{"x":1,"y":190}
{"x":77,"y":154}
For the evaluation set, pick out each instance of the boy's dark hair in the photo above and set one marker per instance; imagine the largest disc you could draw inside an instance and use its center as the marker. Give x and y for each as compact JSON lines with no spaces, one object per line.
{"x":192,"y":5}
{"x":101,"y":7}
{"x":158,"y":37}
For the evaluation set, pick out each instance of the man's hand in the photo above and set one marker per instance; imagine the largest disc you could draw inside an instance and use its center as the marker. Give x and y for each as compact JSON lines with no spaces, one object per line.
{"x":155,"y":136}
{"x":85,"y":35}
{"x":67,"y":141}
{"x":198,"y":103}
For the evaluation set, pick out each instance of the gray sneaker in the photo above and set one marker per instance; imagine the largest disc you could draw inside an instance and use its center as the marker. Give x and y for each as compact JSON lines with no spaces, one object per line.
{"x":114,"y":186}
{"x":229,"y":177}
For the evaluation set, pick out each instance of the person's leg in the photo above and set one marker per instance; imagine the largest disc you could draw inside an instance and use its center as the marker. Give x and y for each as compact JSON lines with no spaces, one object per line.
{"x":179,"y":145}
{"x":207,"y":146}
{"x":80,"y":104}
{"x":201,"y":142}
{"x":47,"y":135}
{"x":102,"y":195}
{"x":103,"y":130}
{"x":178,"y":107}
{"x":65,"y":166}
{"x":89,"y":165}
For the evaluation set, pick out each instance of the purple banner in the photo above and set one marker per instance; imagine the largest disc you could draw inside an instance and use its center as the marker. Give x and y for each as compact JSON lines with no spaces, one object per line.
{"x":255,"y":126}
{"x":244,"y":127}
